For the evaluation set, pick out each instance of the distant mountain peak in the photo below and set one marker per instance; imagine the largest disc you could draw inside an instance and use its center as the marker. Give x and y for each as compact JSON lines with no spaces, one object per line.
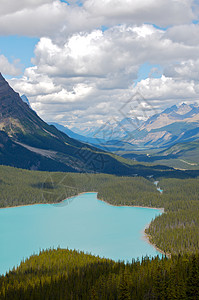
{"x":174,"y":124}
{"x":170,"y":109}
{"x":183,"y":109}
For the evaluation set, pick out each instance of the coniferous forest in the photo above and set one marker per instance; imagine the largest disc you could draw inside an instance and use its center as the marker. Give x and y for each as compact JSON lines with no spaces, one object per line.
{"x":65,"y":274}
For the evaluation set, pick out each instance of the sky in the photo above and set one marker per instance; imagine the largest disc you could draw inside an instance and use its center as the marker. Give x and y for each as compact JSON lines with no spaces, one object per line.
{"x":82,"y":63}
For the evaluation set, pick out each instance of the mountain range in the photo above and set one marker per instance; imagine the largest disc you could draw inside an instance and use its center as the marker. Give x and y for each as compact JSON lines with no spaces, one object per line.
{"x":111,"y":139}
{"x":112,"y":129}
{"x":174,"y":125}
{"x":26,"y":141}
{"x":170,"y":138}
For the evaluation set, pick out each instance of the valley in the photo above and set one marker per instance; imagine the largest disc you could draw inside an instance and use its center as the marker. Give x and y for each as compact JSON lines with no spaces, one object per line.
{"x":42,"y":165}
{"x":99,"y":150}
{"x":169,"y":138}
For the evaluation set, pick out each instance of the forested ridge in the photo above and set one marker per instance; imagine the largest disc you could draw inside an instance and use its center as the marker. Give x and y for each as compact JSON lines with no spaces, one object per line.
{"x":175,"y":231}
{"x":66,"y":274}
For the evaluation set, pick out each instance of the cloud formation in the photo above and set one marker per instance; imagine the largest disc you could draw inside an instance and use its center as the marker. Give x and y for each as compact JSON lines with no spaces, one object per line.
{"x":12,"y":6}
{"x":9,"y":68}
{"x":52,"y":17}
{"x":162,"y":13}
{"x":86,"y":65}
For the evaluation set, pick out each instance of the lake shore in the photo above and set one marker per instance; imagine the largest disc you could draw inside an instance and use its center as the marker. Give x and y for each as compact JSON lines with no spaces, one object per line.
{"x":39,"y":203}
{"x":139,"y":206}
{"x":145,"y":236}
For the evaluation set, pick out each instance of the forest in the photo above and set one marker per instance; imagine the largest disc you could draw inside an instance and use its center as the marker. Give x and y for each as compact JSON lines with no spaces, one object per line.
{"x":174,"y":232}
{"x":66,"y":274}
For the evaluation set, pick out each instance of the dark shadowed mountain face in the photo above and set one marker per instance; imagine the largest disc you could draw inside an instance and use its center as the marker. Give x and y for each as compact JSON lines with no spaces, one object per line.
{"x":13,"y":154}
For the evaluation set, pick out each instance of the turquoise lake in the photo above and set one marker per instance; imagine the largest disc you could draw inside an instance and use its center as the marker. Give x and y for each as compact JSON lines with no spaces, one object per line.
{"x":82,"y":222}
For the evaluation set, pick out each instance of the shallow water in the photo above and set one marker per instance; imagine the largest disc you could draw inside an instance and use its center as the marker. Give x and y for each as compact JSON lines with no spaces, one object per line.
{"x":82,"y":222}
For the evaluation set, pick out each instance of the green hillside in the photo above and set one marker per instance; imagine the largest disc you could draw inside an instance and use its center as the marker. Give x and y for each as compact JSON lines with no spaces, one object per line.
{"x":183,"y":156}
{"x":180,"y":156}
{"x":188,"y":151}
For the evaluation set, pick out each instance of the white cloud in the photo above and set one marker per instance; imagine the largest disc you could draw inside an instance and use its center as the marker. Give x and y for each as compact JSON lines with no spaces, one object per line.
{"x":33,"y":84}
{"x":185,"y":34}
{"x":119,"y":50}
{"x":185,"y":70}
{"x":8,"y":68}
{"x":162,"y":13}
{"x":84,"y":75}
{"x":52,"y":18}
{"x":89,"y":76}
{"x":45,"y":19}
{"x":12,"y":6}
{"x":167,"y":88}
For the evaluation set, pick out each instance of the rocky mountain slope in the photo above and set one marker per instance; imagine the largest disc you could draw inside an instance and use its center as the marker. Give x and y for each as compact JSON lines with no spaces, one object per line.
{"x":173,"y":125}
{"x":23,"y":130}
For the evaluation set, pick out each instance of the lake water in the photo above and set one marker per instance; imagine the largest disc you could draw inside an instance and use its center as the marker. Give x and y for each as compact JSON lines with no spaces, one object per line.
{"x":82,"y":222}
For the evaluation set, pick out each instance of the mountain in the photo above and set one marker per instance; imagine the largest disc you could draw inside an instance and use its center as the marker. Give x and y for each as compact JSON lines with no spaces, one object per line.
{"x":176,"y":124}
{"x":173,"y":125}
{"x":21,"y":128}
{"x":114,"y":145}
{"x":26,"y":141}
{"x":169,"y":138}
{"x":16,"y":155}
{"x":187,"y":153}
{"x":113,"y":129}
{"x":74,"y":135}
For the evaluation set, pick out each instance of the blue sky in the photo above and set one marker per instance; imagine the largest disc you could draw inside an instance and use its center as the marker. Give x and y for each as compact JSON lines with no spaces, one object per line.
{"x":18,"y":48}
{"x":79,"y":3}
{"x":78,"y":62}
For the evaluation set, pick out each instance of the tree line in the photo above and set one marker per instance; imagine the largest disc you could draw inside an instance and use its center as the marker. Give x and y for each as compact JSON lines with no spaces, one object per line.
{"x":66,"y":274}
